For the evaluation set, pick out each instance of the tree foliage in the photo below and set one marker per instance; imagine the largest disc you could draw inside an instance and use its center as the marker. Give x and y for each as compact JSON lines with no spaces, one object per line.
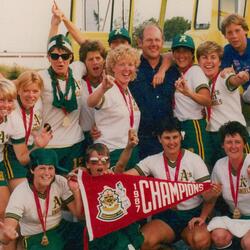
{"x":174,"y":26}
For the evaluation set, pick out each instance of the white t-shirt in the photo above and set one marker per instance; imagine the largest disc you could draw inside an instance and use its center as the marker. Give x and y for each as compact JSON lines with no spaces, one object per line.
{"x":22,"y":206}
{"x":185,"y":108}
{"x":10,"y":129}
{"x":192,"y":169}
{"x":226,"y":105}
{"x":113,"y":119}
{"x":220,"y":175}
{"x":62,"y":136}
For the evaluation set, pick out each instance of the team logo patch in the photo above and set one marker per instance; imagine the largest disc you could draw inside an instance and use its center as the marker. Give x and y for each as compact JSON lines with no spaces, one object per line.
{"x":113,"y":203}
{"x":1,"y":176}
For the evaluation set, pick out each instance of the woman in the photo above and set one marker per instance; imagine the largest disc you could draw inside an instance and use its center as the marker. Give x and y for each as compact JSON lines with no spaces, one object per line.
{"x":28,"y":105}
{"x":191,"y":96}
{"x":40,"y":213}
{"x":226,"y":103}
{"x":115,"y":109}
{"x":231,"y":173}
{"x":62,"y":99}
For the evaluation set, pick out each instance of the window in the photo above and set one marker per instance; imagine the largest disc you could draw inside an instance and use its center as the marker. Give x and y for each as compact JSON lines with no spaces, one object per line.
{"x":203,"y":14}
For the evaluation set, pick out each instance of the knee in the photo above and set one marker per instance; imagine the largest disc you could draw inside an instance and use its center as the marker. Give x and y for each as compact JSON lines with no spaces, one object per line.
{"x":245,"y":243}
{"x":221,"y":237}
{"x":201,"y":241}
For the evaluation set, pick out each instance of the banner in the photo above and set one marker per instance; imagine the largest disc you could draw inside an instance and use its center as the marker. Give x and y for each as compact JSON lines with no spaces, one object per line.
{"x":112,"y":202}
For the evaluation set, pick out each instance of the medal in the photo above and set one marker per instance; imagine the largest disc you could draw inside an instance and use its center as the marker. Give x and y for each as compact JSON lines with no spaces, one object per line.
{"x":235,"y":191}
{"x":45,"y":240}
{"x":236,"y":213}
{"x":66,"y":121}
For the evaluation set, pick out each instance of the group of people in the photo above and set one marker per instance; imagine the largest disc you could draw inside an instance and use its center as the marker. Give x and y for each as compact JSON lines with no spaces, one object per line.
{"x":149,"y":114}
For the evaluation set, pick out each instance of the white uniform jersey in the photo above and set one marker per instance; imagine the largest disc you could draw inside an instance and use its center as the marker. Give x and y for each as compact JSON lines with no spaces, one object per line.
{"x":36,"y":122}
{"x":10,"y":130}
{"x":220,"y":175}
{"x":113,"y":119}
{"x":226,"y":105}
{"x":185,"y":108}
{"x":62,"y":136}
{"x":22,"y":206}
{"x":87,"y":115}
{"x":192,"y":169}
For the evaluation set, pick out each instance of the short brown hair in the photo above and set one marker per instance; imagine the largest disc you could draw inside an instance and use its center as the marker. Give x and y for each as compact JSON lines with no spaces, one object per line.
{"x":88,"y":46}
{"x":209,"y":47}
{"x":7,"y":89}
{"x":235,"y":19}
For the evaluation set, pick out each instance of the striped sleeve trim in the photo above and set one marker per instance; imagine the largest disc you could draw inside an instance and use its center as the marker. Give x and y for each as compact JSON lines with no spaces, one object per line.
{"x":13,"y":216}
{"x":229,"y":86}
{"x":137,"y":168}
{"x":70,"y":199}
{"x":17,"y":141}
{"x":99,"y":105}
{"x":202,"y":86}
{"x":203,"y":179}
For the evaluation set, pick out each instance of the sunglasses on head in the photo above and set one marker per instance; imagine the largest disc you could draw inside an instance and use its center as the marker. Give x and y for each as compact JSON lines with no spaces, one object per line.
{"x":55,"y":56}
{"x":96,"y":160}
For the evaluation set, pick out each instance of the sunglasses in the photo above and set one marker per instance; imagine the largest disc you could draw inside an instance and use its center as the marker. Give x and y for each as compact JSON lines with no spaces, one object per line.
{"x":96,"y":160}
{"x":55,"y":56}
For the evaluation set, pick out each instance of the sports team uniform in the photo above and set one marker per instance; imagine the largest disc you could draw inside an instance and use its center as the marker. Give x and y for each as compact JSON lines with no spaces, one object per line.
{"x":68,"y":140}
{"x":220,"y":175}
{"x":14,"y":168}
{"x":192,"y":169}
{"x":190,"y":114}
{"x":113,"y":120}
{"x":226,"y":106}
{"x":25,"y":211}
{"x":9,"y":131}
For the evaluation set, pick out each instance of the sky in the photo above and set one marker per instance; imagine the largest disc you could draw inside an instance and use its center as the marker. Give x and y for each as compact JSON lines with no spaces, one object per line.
{"x":24,"y":24}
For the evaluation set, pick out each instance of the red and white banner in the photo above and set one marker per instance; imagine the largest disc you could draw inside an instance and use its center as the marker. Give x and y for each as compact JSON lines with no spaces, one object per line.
{"x":112,"y":202}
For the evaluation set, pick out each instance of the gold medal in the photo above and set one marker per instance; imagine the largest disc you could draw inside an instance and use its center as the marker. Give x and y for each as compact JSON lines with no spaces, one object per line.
{"x":66,"y":121}
{"x":236,"y":213}
{"x":45,"y":240}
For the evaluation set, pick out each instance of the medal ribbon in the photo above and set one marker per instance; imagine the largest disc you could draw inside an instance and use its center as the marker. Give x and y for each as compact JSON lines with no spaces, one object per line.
{"x":39,"y":209}
{"x":178,"y":164}
{"x":129,"y":105}
{"x":88,"y":84}
{"x":27,"y":130}
{"x":209,"y":109}
{"x":234,"y":192}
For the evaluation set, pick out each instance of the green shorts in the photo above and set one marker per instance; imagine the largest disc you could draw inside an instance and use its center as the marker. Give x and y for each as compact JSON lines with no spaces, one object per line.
{"x":70,"y":157}
{"x":67,"y":236}
{"x":119,"y":240}
{"x":178,"y":219}
{"x":134,"y":159}
{"x":14,"y":169}
{"x":3,"y":179}
{"x":196,"y":139}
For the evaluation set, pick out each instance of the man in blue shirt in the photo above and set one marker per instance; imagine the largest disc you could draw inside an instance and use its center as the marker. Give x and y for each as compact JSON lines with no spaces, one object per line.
{"x":237,"y":52}
{"x":155,"y":103}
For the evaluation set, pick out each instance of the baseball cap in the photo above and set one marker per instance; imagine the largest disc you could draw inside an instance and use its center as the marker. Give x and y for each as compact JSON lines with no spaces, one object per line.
{"x":59,"y":41}
{"x":183,"y":41}
{"x":119,"y":33}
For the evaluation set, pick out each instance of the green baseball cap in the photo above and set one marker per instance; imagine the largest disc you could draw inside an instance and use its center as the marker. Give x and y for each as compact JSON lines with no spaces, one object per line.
{"x":183,"y":41}
{"x":119,"y":33}
{"x":59,"y":41}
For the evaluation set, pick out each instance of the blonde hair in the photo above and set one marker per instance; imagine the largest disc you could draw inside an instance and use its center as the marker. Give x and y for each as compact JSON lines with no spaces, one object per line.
{"x":7,"y":89}
{"x":120,"y":53}
{"x":233,"y":19}
{"x":27,"y":78}
{"x":209,"y":47}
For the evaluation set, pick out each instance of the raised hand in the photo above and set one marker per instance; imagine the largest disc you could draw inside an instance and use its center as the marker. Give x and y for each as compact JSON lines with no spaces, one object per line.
{"x":181,"y":86}
{"x":107,"y":82}
{"x":132,"y":138}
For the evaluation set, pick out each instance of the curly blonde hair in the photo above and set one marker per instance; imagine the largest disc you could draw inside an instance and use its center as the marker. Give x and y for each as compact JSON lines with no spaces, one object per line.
{"x":122,"y":52}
